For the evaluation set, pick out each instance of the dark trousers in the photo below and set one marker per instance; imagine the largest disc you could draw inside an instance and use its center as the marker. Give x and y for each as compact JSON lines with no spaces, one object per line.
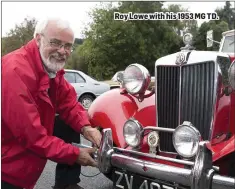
{"x":5,"y":185}
{"x":66,"y":174}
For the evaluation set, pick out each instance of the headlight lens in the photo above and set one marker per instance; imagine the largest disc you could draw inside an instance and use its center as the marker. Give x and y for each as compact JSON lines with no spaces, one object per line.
{"x":231,"y":75}
{"x":136,"y":79}
{"x":186,"y":140}
{"x":132,"y":132}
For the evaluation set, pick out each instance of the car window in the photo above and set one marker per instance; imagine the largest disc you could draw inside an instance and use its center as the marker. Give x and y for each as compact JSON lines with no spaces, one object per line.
{"x":70,"y":77}
{"x":228,"y":46}
{"x":79,"y":79}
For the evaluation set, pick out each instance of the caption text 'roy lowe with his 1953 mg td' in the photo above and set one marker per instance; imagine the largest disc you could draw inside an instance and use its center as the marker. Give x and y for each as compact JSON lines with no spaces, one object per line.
{"x":179,"y":135}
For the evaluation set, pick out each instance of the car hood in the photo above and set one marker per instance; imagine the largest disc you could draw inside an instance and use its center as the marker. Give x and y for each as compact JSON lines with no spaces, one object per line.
{"x":111,"y":82}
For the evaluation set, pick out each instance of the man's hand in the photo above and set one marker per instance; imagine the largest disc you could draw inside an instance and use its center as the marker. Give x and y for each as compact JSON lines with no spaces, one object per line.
{"x":84,"y":157}
{"x":92,"y":134}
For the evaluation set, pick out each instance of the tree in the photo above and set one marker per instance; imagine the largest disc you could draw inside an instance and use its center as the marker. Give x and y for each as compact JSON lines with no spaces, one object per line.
{"x":218,"y":29}
{"x":78,"y":41}
{"x":226,"y":22}
{"x":227,"y":14}
{"x":76,"y":61}
{"x":182,"y":26}
{"x":111,"y":45}
{"x":18,"y":36}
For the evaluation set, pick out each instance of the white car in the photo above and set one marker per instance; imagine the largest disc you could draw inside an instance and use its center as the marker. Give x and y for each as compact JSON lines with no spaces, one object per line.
{"x":86,"y":87}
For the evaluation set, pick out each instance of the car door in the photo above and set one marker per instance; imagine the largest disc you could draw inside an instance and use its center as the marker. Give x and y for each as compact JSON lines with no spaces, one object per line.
{"x":76,"y":81}
{"x":91,"y":85}
{"x":70,"y":77}
{"x":80,"y":80}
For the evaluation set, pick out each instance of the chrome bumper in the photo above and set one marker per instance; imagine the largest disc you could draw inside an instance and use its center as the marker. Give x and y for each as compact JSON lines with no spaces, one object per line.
{"x":200,"y":175}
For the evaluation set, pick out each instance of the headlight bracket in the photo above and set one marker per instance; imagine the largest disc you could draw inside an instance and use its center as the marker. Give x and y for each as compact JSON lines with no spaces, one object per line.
{"x":140,"y":97}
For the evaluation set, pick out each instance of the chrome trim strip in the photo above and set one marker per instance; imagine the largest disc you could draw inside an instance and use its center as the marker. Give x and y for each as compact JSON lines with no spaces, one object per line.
{"x":215,"y":97}
{"x":155,"y":69}
{"x":180,"y":91}
{"x":218,"y":73}
{"x":231,"y":75}
{"x":169,"y":130}
{"x":222,"y":43}
{"x":183,"y":162}
{"x":152,"y":170}
{"x":222,"y":182}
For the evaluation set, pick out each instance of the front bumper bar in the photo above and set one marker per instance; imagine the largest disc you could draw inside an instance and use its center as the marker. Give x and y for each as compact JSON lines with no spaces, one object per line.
{"x":201,"y":175}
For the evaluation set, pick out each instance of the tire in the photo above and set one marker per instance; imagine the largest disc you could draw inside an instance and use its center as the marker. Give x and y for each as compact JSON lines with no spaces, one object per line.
{"x":86,"y":100}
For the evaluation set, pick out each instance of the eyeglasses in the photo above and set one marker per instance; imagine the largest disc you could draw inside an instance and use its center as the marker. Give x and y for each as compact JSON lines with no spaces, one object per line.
{"x":57,"y":44}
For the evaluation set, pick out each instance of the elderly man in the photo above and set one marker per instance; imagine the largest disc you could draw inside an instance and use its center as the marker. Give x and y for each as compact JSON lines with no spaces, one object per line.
{"x":33,"y":91}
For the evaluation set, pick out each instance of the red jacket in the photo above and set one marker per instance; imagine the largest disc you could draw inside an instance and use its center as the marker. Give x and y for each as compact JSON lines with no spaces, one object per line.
{"x":28,"y":117}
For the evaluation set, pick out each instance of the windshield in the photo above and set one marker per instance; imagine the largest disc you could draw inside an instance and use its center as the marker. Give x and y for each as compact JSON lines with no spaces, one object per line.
{"x":228,"y":46}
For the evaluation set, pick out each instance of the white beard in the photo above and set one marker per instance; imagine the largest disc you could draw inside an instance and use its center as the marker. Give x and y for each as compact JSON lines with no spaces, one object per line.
{"x":49,"y":65}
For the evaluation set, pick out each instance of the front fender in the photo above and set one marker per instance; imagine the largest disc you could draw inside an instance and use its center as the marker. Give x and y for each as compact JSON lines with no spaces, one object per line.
{"x":223,"y":149}
{"x":112,"y":109}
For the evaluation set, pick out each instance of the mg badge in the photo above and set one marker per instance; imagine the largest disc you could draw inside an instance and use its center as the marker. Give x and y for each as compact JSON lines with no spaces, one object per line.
{"x":180,"y":59}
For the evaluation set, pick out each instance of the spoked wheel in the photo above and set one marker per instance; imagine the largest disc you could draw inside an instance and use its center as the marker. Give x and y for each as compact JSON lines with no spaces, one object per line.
{"x":86,"y":100}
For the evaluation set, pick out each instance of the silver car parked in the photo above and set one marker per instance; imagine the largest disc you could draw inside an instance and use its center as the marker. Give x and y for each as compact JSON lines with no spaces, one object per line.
{"x":87,"y":88}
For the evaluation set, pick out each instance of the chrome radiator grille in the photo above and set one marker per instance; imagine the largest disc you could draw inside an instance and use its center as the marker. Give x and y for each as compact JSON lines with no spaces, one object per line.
{"x":185,"y":94}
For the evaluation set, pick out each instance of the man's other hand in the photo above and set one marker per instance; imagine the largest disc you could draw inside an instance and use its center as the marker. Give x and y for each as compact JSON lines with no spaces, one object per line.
{"x":92,"y":134}
{"x":84,"y":157}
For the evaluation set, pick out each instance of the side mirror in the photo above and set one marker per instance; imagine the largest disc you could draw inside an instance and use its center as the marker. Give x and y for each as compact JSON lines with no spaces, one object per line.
{"x":209,"y":38}
{"x":231,"y":75}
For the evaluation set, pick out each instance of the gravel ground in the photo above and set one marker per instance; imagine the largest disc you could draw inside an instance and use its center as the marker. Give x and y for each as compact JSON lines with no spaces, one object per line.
{"x":98,"y":182}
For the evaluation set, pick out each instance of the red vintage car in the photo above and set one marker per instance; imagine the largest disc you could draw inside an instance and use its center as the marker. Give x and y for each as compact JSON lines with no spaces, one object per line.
{"x":179,"y":135}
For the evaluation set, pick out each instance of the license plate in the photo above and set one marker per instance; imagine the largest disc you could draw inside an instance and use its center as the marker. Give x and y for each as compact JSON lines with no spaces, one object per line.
{"x":124,"y":180}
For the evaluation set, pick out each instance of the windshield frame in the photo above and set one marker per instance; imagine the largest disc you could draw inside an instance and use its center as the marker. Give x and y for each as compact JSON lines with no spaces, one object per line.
{"x":223,"y":42}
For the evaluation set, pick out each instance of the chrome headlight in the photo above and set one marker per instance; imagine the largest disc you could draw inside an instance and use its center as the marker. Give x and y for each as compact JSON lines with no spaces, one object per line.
{"x":186,"y":140}
{"x":231,"y":75}
{"x":132,"y":132}
{"x":136,"y":79}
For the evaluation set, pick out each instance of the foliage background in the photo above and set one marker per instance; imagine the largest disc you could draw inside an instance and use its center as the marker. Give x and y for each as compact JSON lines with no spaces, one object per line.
{"x":109,"y":46}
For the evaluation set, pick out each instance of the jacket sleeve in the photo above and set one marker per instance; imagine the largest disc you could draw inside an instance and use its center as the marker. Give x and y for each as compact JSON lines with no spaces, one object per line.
{"x":20,"y":115}
{"x":69,"y":109}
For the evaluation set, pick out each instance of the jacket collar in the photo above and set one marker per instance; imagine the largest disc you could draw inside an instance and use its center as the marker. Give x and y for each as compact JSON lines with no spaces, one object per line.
{"x":37,"y":65}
